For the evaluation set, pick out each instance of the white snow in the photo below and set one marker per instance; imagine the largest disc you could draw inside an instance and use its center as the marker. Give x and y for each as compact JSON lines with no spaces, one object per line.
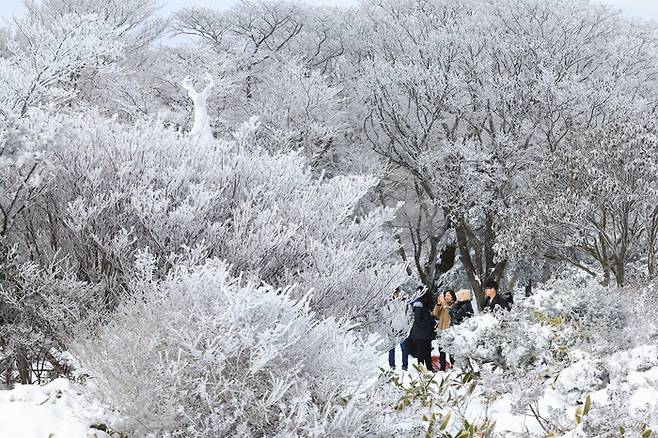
{"x":55,"y":410}
{"x":566,"y":393}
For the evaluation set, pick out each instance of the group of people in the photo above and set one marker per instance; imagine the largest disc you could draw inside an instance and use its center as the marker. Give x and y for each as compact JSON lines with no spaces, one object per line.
{"x":433,"y":314}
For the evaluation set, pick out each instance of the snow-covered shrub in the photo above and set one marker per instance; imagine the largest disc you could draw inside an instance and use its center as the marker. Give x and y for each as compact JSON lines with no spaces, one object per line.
{"x":507,"y":340}
{"x":115,"y":189}
{"x":566,"y":342}
{"x":581,"y":378}
{"x":599,"y":317}
{"x":640,"y":359}
{"x":472,"y":338}
{"x":628,"y":405}
{"x":202,"y":353}
{"x":38,"y":306}
{"x":540,"y":330}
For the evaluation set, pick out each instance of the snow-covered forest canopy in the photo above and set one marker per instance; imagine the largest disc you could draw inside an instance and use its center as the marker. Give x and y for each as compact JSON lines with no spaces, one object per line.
{"x":203,"y":216}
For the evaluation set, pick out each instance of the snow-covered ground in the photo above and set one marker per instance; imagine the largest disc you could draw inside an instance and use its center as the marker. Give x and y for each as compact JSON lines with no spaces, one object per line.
{"x":634,"y":372}
{"x":55,"y":410}
{"x":60,"y":409}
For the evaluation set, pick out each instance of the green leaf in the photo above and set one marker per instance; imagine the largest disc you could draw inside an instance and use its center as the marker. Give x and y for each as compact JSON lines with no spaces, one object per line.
{"x":588,"y":405}
{"x":579,"y":413}
{"x":446,"y":420}
{"x":647,"y":433}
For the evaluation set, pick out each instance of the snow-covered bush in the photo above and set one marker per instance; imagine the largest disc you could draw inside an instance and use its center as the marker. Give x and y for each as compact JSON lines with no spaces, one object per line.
{"x":540,"y":330}
{"x":114,"y":189}
{"x":581,"y":378}
{"x":109,"y":190}
{"x":627,"y":406}
{"x":507,"y":340}
{"x":202,"y":353}
{"x":38,"y":306}
{"x":565,"y":343}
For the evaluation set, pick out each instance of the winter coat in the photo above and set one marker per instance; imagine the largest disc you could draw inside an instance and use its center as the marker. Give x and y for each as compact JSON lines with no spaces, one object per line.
{"x":498,"y":301}
{"x":423,"y":326}
{"x":442,"y":315}
{"x":463,"y":308}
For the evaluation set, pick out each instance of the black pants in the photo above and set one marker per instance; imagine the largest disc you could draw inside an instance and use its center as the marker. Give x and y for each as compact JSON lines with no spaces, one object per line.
{"x":422,"y":350}
{"x":442,"y":359}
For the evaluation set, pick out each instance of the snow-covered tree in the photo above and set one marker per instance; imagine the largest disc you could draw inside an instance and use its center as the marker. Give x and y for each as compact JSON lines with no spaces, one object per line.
{"x":117,"y":86}
{"x":279,"y":57}
{"x":598,"y":211}
{"x":45,"y":57}
{"x":468,"y":102}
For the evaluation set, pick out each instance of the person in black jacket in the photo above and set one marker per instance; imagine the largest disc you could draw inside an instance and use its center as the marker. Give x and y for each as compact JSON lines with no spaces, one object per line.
{"x":463,"y":308}
{"x":494,"y":300}
{"x":422,"y":330}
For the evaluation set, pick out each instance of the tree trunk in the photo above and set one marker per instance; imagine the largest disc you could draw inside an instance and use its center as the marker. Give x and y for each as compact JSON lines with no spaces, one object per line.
{"x":489,"y":240}
{"x":467,"y":262}
{"x":446,"y":259}
{"x":59,"y":369}
{"x":604,"y":258}
{"x":9,"y":375}
{"x":430,"y":269}
{"x":653,"y":243}
{"x":620,"y":271}
{"x":484,"y":267}
{"x":24,"y":371}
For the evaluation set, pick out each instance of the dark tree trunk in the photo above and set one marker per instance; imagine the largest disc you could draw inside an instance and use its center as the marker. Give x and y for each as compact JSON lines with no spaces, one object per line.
{"x":489,"y":240}
{"x":24,"y":372}
{"x":467,"y":262}
{"x":446,"y":259}
{"x":483,"y":267}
